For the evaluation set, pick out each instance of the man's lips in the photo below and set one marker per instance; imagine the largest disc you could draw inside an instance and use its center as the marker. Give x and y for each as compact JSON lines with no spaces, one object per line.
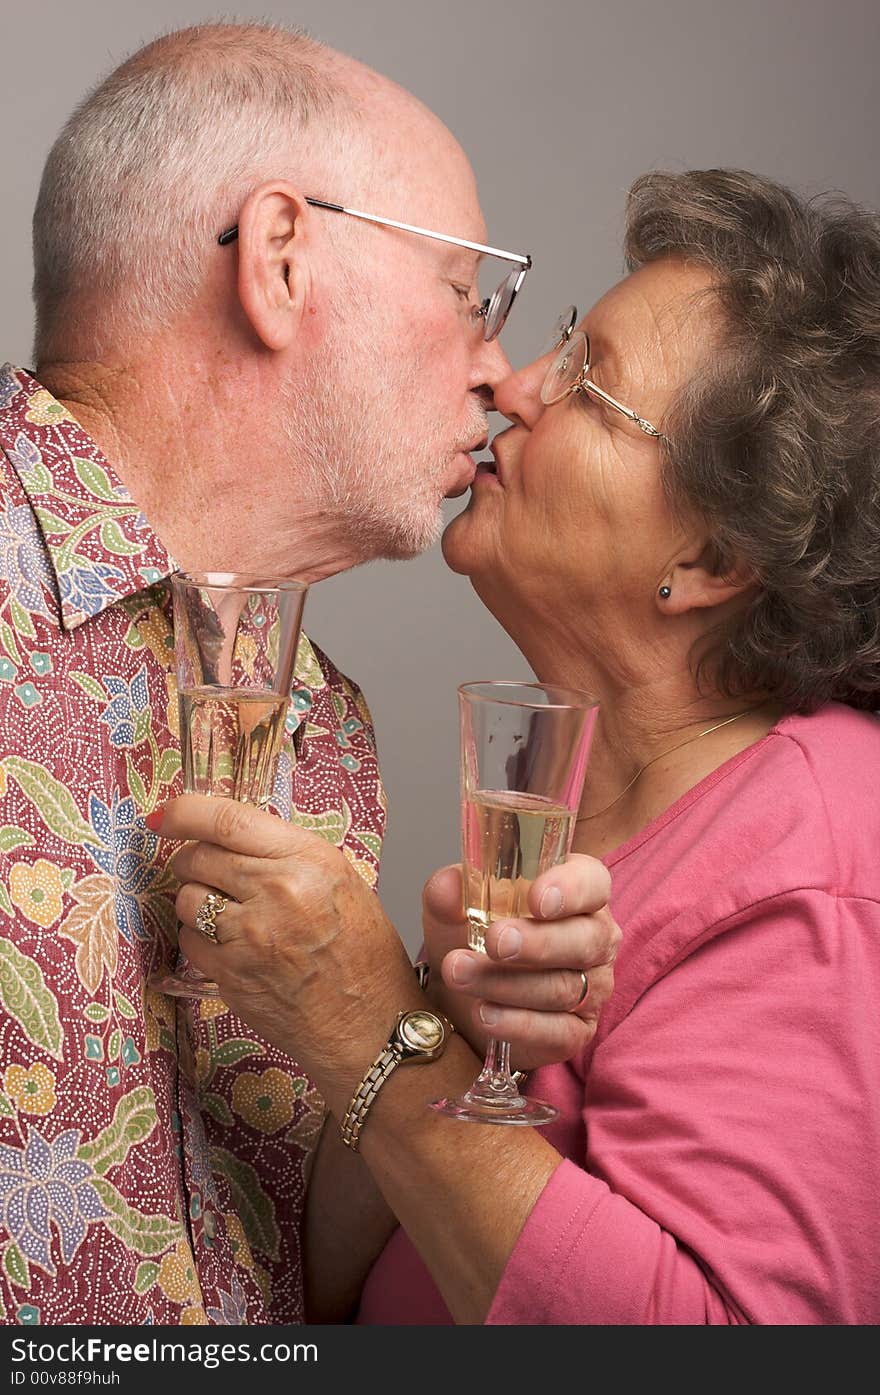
{"x":472,"y":468}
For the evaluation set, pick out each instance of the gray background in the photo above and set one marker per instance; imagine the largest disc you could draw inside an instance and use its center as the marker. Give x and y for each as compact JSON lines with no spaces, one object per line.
{"x":560,"y":105}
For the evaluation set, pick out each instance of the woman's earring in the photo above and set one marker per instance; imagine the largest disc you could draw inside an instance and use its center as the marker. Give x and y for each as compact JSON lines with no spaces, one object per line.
{"x":665,"y":592}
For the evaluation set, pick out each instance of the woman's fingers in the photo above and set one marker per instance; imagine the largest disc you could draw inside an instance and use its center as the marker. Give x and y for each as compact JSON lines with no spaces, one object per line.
{"x":527,"y":1005}
{"x":205,"y":864}
{"x":579,"y":886}
{"x":191,"y":897}
{"x":571,"y":927}
{"x":240,"y":828}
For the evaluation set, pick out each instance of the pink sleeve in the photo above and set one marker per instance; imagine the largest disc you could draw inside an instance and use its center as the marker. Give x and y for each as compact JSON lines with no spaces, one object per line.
{"x":733,"y":1139}
{"x":588,"y":1256}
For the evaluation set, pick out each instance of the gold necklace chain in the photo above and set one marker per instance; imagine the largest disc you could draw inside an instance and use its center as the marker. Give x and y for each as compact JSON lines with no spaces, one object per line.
{"x":585,"y":818}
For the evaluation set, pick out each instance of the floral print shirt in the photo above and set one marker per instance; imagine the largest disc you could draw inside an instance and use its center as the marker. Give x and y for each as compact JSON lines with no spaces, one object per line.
{"x":153,"y":1152}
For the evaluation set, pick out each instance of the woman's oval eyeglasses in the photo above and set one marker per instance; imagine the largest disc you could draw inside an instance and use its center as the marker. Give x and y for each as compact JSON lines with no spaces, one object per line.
{"x":570,"y":371}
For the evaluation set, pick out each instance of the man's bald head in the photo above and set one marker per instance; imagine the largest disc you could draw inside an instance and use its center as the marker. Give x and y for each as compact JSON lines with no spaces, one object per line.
{"x":159,"y":158}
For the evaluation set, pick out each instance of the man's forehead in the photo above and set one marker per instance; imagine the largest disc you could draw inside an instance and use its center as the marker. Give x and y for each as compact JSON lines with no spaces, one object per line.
{"x":422,"y":174}
{"x":406,"y":164}
{"x":440,"y":195}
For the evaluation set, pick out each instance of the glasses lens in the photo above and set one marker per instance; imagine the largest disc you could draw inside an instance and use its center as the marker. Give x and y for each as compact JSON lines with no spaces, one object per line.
{"x":562,"y":328}
{"x":500,"y":303}
{"x":566,"y":369}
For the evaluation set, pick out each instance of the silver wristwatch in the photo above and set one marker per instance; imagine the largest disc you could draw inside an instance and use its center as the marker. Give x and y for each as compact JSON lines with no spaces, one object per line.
{"x":419,"y":1036}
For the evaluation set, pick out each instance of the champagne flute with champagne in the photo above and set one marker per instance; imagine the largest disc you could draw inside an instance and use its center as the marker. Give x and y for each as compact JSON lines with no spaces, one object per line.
{"x":524,"y":751}
{"x":235,"y":641}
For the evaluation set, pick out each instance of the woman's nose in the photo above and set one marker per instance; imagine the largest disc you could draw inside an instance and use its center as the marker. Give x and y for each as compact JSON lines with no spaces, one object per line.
{"x":519,"y":395}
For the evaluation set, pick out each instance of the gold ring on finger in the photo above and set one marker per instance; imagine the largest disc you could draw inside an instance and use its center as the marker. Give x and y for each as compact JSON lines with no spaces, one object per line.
{"x":585,"y":990}
{"x":206,"y":916}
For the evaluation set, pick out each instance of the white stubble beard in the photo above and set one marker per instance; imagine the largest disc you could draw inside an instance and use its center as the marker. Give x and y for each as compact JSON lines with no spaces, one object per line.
{"x":385,"y":501}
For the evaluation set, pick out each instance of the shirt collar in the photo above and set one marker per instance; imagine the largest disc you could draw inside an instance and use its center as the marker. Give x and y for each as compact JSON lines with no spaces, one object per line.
{"x":100,"y":547}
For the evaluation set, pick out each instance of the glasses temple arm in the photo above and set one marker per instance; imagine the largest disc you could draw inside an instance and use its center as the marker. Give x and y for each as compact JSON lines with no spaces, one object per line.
{"x":588,"y":386}
{"x":522,"y":259}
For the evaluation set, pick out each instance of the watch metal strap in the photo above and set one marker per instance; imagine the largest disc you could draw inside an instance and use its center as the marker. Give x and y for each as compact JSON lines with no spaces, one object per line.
{"x":386,"y":1062}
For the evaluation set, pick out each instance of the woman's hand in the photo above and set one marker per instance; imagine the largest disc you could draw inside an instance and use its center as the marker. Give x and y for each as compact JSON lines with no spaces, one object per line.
{"x":305,"y":952}
{"x":528,"y":988}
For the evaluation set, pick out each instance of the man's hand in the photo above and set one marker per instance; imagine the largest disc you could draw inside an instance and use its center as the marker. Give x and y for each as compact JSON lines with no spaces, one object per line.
{"x":528,"y":987}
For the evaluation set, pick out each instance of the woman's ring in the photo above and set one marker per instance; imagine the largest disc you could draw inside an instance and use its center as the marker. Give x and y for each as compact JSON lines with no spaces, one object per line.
{"x":586,"y":988}
{"x":212,"y":906}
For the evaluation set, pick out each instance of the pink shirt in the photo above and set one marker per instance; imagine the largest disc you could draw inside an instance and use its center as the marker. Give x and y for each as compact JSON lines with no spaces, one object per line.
{"x":721,"y":1139}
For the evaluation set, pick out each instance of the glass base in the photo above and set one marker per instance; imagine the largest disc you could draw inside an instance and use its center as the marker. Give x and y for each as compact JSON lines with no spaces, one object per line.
{"x":474,"y":1108}
{"x":187,"y":982}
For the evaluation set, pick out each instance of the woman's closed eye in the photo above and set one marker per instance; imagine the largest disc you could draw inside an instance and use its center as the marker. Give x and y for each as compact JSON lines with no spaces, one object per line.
{"x":612,"y":418}
{"x":591,"y":402}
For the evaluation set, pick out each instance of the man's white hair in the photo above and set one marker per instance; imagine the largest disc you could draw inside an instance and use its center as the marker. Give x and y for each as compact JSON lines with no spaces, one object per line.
{"x":158,"y":160}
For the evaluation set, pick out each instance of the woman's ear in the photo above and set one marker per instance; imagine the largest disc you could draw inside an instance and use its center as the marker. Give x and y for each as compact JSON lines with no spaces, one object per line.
{"x":272,"y":239}
{"x":702,"y":582}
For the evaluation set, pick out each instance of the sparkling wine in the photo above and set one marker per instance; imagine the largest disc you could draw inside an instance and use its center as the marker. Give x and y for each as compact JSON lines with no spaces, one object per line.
{"x":509,"y":839}
{"x":231,"y":739}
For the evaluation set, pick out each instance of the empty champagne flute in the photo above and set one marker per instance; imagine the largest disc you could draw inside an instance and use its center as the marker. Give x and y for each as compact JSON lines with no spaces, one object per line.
{"x":524,"y":750}
{"x":235,"y":642}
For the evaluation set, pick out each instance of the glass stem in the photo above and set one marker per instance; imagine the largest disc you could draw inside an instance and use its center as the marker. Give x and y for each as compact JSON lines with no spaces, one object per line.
{"x":495,"y":1078}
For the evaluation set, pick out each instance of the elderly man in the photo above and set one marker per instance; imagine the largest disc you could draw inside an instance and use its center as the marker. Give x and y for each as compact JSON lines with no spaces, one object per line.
{"x":237,"y":372}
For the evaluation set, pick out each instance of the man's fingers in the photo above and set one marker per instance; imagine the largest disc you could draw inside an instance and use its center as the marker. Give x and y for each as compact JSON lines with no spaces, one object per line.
{"x":536,"y":1038}
{"x":578,"y":886}
{"x":441,"y":897}
{"x":547,"y":990}
{"x":538,"y":990}
{"x":579,"y":942}
{"x":532,"y":974}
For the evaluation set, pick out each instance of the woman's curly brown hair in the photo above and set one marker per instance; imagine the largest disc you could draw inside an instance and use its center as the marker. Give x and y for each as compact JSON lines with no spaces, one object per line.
{"x":777,"y":445}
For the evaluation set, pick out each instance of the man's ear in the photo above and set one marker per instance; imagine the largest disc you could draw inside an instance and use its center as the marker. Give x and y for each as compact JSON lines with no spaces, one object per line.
{"x":272,"y":237}
{"x":703,"y":581}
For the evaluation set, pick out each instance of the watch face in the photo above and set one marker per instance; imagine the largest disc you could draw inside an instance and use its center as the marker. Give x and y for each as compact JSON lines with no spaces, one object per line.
{"x":422,"y":1030}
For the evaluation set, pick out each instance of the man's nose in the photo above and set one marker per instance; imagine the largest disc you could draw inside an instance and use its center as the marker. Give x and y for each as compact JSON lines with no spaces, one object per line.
{"x":518,"y":395}
{"x":491,"y":367}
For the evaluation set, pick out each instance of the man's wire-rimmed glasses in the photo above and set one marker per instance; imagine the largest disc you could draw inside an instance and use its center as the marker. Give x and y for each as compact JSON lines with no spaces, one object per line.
{"x":570,"y":372}
{"x":493,"y":311}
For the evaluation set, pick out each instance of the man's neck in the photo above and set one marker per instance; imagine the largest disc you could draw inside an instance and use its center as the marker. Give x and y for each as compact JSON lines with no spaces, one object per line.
{"x":203,"y":467}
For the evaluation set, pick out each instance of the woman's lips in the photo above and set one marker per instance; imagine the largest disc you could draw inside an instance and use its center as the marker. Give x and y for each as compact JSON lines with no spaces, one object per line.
{"x":497,"y":467}
{"x":486,"y":471}
{"x":505,"y":449}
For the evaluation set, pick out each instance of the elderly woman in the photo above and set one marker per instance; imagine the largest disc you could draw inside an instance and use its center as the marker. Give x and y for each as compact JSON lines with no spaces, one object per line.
{"x":685,"y":521}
